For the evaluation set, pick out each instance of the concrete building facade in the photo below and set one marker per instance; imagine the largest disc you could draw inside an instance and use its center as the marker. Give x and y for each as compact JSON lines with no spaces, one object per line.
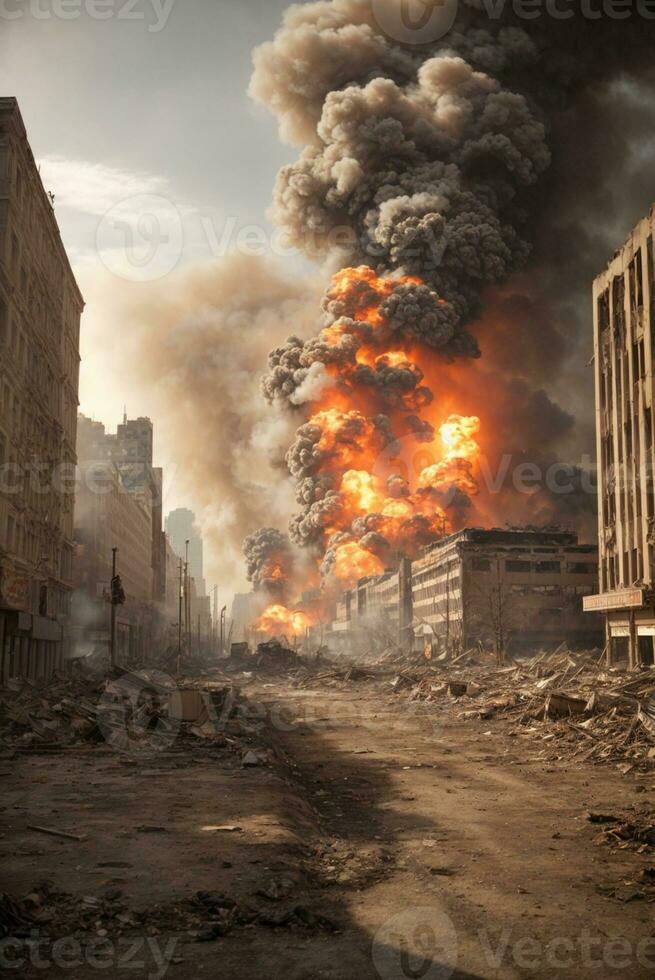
{"x":40,"y":309}
{"x":508,"y":589}
{"x":624,"y":307}
{"x":118,"y":505}
{"x":378,"y":610}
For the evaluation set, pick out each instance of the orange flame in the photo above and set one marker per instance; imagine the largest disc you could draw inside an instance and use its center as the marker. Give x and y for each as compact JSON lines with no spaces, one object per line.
{"x":278,"y":621}
{"x":354,"y":562}
{"x":352,"y":448}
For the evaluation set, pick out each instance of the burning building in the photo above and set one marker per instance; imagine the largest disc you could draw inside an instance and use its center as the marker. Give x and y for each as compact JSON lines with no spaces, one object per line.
{"x":510,"y":589}
{"x":416,"y":185}
{"x":624,"y":307}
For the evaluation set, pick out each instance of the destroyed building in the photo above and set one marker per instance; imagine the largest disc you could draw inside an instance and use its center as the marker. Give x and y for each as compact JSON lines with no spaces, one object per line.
{"x":519,"y":589}
{"x":381,"y":603}
{"x":623,"y":357}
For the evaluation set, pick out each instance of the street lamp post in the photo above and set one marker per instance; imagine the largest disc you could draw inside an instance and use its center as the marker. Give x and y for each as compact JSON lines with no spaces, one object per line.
{"x":187,"y":599}
{"x":112,"y":635}
{"x":179,"y":621}
{"x":223,"y":611}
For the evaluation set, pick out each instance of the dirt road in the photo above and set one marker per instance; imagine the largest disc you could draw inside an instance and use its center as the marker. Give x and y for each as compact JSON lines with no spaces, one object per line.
{"x":375,"y":839}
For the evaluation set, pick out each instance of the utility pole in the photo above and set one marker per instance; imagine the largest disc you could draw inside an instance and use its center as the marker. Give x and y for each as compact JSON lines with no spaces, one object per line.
{"x":223,"y":611}
{"x":215,"y":618}
{"x":187,"y":607}
{"x":112,"y":639}
{"x":179,"y":623}
{"x":117,"y":598}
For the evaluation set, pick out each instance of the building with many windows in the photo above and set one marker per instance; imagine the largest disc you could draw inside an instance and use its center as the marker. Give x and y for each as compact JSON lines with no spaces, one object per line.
{"x":510,"y":589}
{"x":40,"y":309}
{"x":624,"y":306}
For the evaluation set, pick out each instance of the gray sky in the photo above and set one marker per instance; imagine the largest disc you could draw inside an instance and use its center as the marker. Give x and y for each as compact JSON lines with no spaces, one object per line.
{"x":153,"y":105}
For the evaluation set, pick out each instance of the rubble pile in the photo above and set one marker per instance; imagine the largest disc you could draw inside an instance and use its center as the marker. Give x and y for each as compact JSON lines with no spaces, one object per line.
{"x":122,"y":709}
{"x":62,"y":713}
{"x":569,"y":701}
{"x":204,"y":917}
{"x":274,"y":657}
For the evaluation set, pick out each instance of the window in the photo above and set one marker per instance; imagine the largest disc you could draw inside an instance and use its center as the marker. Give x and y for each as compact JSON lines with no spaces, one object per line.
{"x":10,"y":533}
{"x":480,"y":565}
{"x":543,"y":567}
{"x":580,"y":568}
{"x":604,"y":310}
{"x":518,"y":566}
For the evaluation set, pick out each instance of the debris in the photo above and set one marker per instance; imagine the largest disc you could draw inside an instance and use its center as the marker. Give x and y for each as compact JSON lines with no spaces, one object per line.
{"x":275,"y":891}
{"x":583,"y":709}
{"x":56,"y":833}
{"x":13,"y":916}
{"x":560,"y":705}
{"x":224,"y":828}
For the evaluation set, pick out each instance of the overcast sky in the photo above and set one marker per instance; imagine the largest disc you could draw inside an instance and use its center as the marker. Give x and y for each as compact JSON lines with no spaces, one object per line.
{"x":151,"y":102}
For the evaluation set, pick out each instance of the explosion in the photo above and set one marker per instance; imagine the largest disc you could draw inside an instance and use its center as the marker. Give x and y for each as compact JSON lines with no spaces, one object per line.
{"x":365,"y":422}
{"x":279,"y":621}
{"x":416,"y":174}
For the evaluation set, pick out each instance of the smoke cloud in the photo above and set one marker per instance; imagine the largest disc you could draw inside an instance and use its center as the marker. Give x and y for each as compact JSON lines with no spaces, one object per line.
{"x":426,"y":166}
{"x":197,"y":342}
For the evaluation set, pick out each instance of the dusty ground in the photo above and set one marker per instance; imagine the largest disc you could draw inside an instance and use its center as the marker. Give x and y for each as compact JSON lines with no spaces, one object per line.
{"x":413,"y":845}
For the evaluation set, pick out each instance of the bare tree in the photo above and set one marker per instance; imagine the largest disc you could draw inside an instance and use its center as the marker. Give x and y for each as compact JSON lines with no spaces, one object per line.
{"x":493,"y":609}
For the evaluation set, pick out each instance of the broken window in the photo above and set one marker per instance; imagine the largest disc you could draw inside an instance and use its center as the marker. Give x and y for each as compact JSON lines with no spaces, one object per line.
{"x":580,"y":568}
{"x":618,"y":299}
{"x":518,"y":566}
{"x":542,"y":567}
{"x":604,"y":310}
